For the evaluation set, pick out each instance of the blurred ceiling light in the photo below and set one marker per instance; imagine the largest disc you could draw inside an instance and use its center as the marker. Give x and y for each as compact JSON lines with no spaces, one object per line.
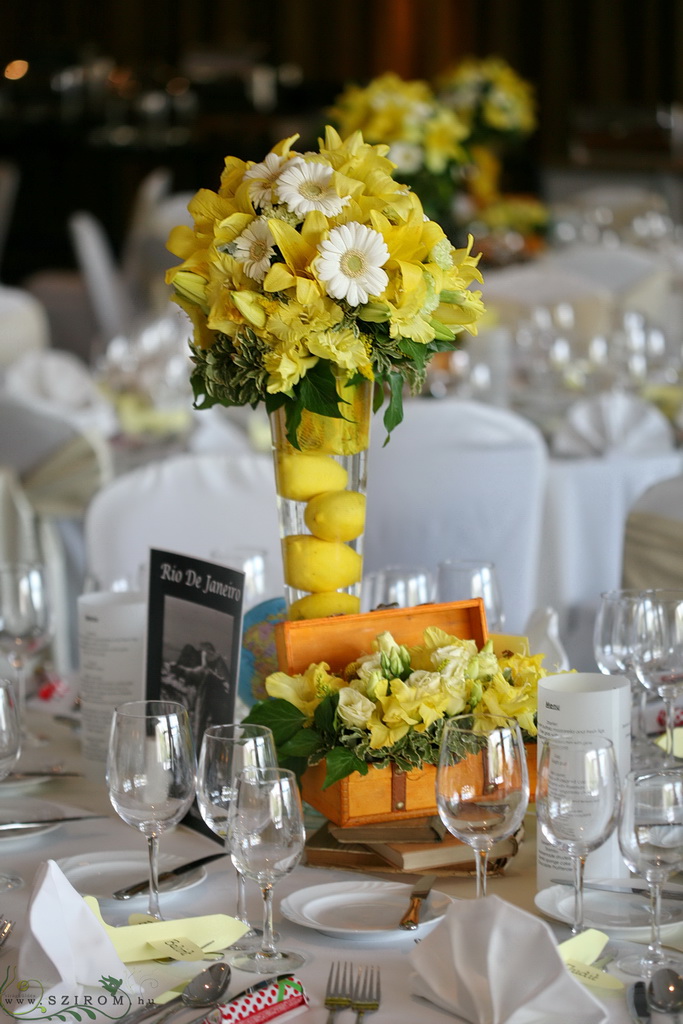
{"x":16,"y":69}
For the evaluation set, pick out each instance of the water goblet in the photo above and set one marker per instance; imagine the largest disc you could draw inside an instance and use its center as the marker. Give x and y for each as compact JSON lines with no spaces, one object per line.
{"x":460,"y":580}
{"x":151,"y":769}
{"x":397,"y":586}
{"x":577,"y":800}
{"x":482,"y":784}
{"x":10,"y":746}
{"x":658,"y":653}
{"x":266,"y":838}
{"x":225,"y":751}
{"x":651,"y":843}
{"x":25,"y":623}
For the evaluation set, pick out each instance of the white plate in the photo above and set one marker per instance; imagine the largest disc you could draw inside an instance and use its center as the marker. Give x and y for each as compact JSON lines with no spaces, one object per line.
{"x":30,"y":810}
{"x":101,"y":874}
{"x":362,"y":909}
{"x":609,"y":911}
{"x":14,"y":787}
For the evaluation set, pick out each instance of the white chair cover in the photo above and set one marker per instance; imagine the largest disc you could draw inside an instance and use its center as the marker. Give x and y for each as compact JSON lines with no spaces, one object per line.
{"x":191,"y":504}
{"x":49,"y":471}
{"x":140,"y":254}
{"x":24,"y":324}
{"x":460,"y":480}
{"x":611,"y":422}
{"x":653,"y":539}
{"x":111,"y":303}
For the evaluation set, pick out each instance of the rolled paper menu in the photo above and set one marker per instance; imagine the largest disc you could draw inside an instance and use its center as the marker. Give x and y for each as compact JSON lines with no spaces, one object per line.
{"x":584,"y":704}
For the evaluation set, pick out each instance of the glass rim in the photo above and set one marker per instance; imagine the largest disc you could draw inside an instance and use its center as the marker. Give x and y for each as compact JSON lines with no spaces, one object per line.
{"x":248,"y":727}
{"x":134,"y":708}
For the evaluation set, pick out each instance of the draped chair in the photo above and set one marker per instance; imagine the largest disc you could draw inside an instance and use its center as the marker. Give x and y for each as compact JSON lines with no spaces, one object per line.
{"x":49,"y":471}
{"x":653,"y":538}
{"x":459,"y":479}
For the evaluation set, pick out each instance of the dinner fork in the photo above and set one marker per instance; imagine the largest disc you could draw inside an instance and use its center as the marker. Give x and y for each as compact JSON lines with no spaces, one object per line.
{"x":5,"y":929}
{"x":338,"y":991}
{"x":366,"y":993}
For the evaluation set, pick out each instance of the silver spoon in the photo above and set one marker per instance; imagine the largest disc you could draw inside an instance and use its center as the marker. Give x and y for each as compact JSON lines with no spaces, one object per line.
{"x":665,"y":992}
{"x":203,"y":991}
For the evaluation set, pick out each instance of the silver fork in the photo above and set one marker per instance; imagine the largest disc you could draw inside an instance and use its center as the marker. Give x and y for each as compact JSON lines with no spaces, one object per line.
{"x":5,"y":929}
{"x":366,"y":993}
{"x":338,"y":991}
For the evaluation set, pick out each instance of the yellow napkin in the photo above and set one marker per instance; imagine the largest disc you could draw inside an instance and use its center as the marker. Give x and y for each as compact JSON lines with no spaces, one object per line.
{"x":135,"y":942}
{"x":580,"y":952}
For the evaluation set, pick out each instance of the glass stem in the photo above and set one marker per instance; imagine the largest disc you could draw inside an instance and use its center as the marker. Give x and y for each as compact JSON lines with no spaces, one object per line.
{"x":153,"y":851}
{"x":655,"y":952}
{"x":241,"y":908}
{"x":267,"y":942}
{"x":670,"y":706}
{"x":579,"y":864}
{"x":482,"y":865}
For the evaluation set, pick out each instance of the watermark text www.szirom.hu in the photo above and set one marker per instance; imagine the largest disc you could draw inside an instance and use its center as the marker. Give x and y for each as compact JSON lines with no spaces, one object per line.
{"x":26,"y":999}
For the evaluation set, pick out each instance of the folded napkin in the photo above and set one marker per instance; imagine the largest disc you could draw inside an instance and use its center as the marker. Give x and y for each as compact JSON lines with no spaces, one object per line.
{"x":66,"y":950}
{"x":61,"y":383}
{"x":489,"y":962}
{"x":613,"y":422}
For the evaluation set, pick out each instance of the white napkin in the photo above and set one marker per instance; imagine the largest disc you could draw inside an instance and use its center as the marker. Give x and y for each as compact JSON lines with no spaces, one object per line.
{"x":65,"y":948}
{"x":613,"y":422}
{"x":489,"y":962}
{"x":61,"y":383}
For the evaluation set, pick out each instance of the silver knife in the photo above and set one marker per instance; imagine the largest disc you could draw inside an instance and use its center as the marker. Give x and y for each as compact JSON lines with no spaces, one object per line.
{"x":636,"y":1000}
{"x":630,"y":890}
{"x":39,"y":822}
{"x":421,"y":890}
{"x":143,"y":886}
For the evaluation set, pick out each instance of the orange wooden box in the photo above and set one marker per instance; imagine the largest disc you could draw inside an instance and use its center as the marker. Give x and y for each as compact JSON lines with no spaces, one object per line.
{"x":383,"y":794}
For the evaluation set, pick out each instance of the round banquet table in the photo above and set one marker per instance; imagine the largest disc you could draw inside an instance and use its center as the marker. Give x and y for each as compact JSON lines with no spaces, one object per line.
{"x":215,"y":893}
{"x":23,"y":324}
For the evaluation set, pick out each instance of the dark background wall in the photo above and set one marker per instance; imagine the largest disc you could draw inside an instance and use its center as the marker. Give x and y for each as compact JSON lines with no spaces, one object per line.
{"x":581,"y":55}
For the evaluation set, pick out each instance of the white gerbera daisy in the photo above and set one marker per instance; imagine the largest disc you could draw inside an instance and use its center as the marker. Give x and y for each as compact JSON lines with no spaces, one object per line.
{"x":263,"y":177}
{"x":254,"y":248}
{"x":305,"y":187}
{"x":350,"y":263}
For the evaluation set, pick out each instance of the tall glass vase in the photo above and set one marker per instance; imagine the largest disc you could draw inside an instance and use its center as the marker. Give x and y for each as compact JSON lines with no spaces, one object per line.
{"x":321,"y":505}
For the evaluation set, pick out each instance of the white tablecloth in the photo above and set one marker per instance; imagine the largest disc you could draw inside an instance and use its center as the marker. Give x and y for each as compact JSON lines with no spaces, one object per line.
{"x":216,"y":894}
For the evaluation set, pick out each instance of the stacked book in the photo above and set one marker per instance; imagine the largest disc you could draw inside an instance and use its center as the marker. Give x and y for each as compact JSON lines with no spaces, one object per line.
{"x":414,"y":845}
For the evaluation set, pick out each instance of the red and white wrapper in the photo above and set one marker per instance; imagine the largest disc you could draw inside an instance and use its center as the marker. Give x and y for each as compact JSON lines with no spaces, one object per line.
{"x":267,"y":1003}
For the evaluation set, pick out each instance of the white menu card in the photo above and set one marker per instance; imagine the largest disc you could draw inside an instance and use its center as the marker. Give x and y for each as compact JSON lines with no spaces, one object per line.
{"x":585,"y":704}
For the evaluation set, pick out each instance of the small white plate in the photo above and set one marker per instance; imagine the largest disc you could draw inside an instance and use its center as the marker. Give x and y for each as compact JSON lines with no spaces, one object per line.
{"x":101,"y":874}
{"x":360,"y":910}
{"x":626,"y":913}
{"x":14,"y":787}
{"x":29,"y":809}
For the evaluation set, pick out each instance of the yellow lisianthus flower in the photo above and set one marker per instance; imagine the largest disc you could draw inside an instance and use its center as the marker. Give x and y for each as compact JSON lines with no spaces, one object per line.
{"x":304,"y":691}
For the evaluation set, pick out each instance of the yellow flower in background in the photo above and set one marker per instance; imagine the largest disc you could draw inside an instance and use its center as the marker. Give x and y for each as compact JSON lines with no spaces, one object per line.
{"x":490,"y":97}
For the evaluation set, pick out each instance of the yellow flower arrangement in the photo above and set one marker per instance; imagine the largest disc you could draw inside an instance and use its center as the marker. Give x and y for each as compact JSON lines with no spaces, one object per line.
{"x":425,"y":138}
{"x":311,"y":270}
{"x":489,"y":97}
{"x":389,"y":706}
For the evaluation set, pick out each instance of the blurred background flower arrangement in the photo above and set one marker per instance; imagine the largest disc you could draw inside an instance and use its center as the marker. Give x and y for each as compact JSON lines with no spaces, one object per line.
{"x":389,"y":706}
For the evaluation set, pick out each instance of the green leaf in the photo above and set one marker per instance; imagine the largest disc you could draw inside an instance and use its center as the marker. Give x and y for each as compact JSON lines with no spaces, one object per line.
{"x":305,"y":742}
{"x":324,"y":714}
{"x":416,"y":352}
{"x":393,"y":414}
{"x":318,"y":391}
{"x":340,"y":763}
{"x":279,"y":715}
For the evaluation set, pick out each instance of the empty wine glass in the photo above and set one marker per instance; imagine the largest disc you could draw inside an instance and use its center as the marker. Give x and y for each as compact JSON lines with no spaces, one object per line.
{"x":10,"y":746}
{"x":397,"y":586}
{"x":461,"y":580}
{"x":151,"y":770}
{"x":658,"y":652}
{"x":651,"y":843}
{"x":253,"y":563}
{"x":225,"y":751}
{"x":482,"y":784}
{"x":613,"y":650}
{"x":25,"y":622}
{"x":266,"y":837}
{"x":577,"y":800}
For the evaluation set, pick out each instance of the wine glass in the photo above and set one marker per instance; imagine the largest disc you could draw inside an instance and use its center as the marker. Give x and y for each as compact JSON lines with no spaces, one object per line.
{"x":225,"y":751}
{"x":461,"y":580}
{"x":613,"y":651}
{"x":577,"y":800}
{"x":658,"y":652}
{"x":397,"y":586}
{"x":266,"y":838}
{"x":151,"y":771}
{"x":651,"y":843}
{"x":10,"y":746}
{"x":482,"y":784}
{"x":25,"y":622}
